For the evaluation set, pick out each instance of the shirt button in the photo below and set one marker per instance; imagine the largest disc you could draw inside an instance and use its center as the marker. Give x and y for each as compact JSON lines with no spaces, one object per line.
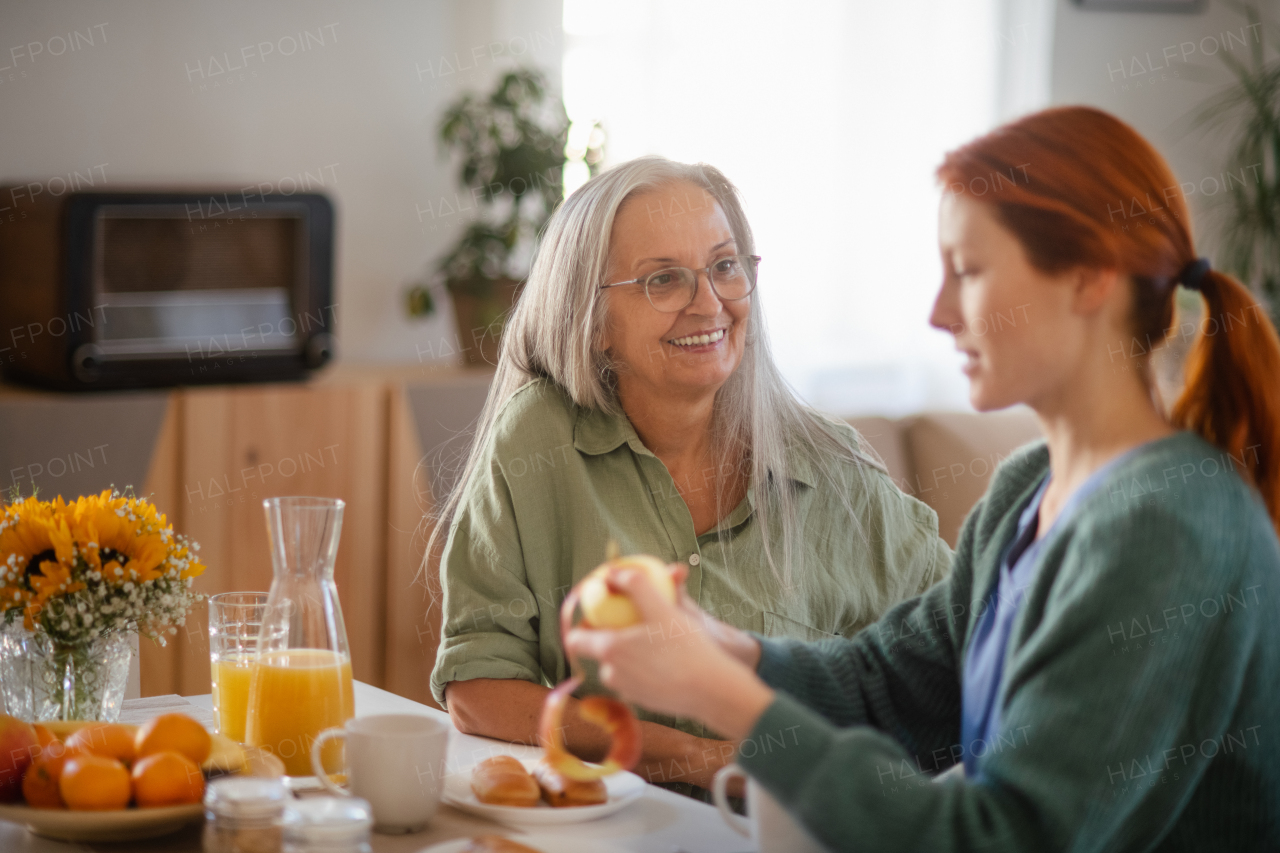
{"x":694,"y":559}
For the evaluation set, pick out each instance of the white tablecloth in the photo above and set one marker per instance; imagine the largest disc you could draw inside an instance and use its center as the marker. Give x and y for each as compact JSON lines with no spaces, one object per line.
{"x":659,"y":822}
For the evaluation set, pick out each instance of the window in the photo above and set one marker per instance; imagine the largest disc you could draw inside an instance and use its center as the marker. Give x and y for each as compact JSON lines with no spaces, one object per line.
{"x":830,"y":117}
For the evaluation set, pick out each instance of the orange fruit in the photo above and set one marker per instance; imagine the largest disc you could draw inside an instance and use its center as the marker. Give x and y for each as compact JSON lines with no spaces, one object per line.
{"x":19,"y":746}
{"x":45,"y":736}
{"x":94,"y":783}
{"x":176,"y":732}
{"x":40,"y":784}
{"x":51,"y":746}
{"x":167,"y":778}
{"x":109,"y":740}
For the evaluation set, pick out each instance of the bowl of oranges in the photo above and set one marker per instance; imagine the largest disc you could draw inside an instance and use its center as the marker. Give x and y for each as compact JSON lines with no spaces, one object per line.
{"x":82,"y":781}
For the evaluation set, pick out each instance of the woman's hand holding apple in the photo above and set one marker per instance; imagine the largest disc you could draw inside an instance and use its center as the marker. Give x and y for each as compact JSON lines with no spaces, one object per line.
{"x":677,"y":660}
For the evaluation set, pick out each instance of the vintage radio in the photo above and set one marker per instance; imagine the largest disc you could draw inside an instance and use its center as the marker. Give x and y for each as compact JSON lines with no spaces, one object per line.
{"x":147,"y":288}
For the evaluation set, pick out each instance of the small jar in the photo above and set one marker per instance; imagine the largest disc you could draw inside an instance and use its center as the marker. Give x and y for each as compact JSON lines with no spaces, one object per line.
{"x":327,"y":825}
{"x":242,"y":815}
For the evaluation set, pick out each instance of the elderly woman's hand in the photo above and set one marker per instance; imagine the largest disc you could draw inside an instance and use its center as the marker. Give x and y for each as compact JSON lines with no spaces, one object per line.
{"x":678,"y":661}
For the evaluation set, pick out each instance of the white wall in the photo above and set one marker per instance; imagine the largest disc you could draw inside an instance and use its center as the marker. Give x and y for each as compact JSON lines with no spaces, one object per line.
{"x":1155,"y":71}
{"x":354,"y":106}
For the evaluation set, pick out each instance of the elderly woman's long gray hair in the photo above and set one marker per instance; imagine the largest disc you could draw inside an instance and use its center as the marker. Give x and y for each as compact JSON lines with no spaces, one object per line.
{"x":556,"y":328}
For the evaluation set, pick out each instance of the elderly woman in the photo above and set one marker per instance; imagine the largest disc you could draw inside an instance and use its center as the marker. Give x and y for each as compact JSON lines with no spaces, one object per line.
{"x":636,"y":400}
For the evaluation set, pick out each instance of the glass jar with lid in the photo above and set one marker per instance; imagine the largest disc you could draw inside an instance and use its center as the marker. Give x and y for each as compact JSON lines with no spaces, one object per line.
{"x":328,"y":825}
{"x":243,"y":814}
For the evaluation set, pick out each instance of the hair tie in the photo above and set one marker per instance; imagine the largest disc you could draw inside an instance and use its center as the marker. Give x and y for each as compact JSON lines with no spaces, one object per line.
{"x":1192,"y":275}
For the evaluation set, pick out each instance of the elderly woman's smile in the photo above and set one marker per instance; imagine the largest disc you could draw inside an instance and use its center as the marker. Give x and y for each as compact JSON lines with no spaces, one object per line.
{"x":699,"y":341}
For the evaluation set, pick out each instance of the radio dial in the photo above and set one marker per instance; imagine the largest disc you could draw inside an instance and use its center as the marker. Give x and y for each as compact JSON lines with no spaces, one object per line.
{"x":86,"y":362}
{"x":319,"y":350}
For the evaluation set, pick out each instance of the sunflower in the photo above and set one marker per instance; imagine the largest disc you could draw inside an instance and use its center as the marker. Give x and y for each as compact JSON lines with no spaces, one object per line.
{"x":37,"y":555}
{"x":25,"y":531}
{"x":122,"y":538}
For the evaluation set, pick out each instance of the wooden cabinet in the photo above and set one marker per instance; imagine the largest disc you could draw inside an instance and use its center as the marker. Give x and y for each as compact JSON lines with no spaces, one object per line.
{"x":352,"y":434}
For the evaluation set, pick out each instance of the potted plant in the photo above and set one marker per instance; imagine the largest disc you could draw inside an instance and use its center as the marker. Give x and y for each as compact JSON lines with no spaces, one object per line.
{"x":512,"y":150}
{"x":1250,"y":212}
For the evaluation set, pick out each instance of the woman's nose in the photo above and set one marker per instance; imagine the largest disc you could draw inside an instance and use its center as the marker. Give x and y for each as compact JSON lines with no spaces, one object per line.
{"x":945,"y":314}
{"x":705,"y":300}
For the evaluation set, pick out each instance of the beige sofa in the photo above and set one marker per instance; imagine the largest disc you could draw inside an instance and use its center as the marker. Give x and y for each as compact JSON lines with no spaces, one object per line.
{"x":946,"y":458}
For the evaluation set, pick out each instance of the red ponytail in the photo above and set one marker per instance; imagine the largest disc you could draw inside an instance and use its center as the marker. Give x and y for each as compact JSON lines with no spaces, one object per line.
{"x":1080,"y":188}
{"x":1231,"y":375}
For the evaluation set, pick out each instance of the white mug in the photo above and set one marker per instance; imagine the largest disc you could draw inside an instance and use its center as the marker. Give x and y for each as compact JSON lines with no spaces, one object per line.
{"x":396,"y":762}
{"x":767,"y":823}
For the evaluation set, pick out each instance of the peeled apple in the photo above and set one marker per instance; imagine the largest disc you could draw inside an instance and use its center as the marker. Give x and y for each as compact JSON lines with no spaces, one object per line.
{"x":603,"y":607}
{"x":606,"y":607}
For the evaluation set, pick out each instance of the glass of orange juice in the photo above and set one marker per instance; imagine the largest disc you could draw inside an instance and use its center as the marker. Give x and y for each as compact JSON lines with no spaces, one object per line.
{"x":300,"y":681}
{"x":235,"y":619}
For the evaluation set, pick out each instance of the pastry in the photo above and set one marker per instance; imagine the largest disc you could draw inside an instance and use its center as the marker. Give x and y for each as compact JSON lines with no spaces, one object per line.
{"x":560,"y":791}
{"x":496,"y":844}
{"x":503,"y":781}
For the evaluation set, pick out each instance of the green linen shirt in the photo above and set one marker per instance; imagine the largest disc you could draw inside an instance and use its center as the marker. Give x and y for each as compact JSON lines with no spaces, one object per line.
{"x":558,"y":481}
{"x":1140,"y":705}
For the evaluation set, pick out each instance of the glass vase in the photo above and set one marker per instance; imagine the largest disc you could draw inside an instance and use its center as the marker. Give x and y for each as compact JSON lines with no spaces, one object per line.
{"x":44,"y":680}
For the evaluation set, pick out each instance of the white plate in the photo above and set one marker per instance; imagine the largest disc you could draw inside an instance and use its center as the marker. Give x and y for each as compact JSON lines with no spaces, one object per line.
{"x":544,"y":843}
{"x":624,"y":788}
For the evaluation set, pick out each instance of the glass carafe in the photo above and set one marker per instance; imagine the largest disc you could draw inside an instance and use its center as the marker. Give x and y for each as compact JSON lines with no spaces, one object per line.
{"x":301,"y":682}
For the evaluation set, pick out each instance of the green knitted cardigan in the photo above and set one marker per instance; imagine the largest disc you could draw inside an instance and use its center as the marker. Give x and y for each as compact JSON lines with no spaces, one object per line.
{"x":1140,"y":706}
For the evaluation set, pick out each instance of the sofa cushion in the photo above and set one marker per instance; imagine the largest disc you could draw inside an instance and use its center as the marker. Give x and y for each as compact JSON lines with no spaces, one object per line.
{"x":953,"y":455}
{"x":885,"y":437}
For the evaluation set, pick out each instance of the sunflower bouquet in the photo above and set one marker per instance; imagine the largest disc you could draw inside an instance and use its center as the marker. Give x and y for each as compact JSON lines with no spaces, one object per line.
{"x":75,"y":579}
{"x":101,"y":564}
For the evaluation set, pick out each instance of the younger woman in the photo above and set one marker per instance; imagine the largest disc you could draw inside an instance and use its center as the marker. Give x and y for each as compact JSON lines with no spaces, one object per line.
{"x":1104,"y":661}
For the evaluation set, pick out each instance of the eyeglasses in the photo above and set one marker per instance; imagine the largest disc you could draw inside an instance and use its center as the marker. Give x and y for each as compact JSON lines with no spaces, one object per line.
{"x":672,"y":289}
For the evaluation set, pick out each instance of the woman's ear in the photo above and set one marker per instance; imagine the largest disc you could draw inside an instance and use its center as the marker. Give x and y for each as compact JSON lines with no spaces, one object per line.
{"x":603,"y":340}
{"x":1094,"y":288}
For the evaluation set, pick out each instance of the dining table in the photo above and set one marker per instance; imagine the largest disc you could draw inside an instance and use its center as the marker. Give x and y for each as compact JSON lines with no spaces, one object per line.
{"x":659,"y":821}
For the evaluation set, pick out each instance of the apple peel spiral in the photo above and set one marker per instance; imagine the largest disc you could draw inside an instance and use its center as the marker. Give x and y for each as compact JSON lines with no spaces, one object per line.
{"x":603,"y":607}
